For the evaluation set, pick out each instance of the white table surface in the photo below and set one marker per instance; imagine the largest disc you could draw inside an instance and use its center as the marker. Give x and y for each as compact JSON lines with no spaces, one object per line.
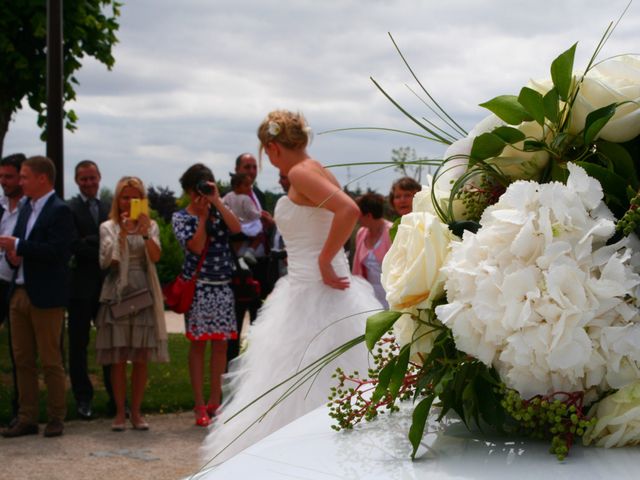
{"x":309,"y":449}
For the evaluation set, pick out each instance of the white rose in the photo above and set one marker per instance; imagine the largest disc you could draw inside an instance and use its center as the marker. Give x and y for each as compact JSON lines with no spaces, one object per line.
{"x":618,"y":419}
{"x":423,"y":202}
{"x":411,"y":268}
{"x":614,"y":81}
{"x":512,"y":162}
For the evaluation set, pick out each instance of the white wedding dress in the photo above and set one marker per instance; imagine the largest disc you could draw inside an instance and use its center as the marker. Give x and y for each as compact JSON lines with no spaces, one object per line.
{"x":302,"y":320}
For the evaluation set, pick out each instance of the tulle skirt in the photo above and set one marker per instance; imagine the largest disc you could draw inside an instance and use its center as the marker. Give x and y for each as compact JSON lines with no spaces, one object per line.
{"x":298,"y":323}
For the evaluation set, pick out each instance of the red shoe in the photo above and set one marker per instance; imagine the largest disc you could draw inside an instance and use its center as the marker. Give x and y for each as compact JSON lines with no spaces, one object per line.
{"x":202,"y":419}
{"x":212,"y":409}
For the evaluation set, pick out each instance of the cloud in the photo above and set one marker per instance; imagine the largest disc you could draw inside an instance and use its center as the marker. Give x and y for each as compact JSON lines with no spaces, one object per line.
{"x":193,"y":79}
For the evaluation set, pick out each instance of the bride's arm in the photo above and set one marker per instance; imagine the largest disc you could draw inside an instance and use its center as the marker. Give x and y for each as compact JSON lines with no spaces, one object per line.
{"x":324,"y":193}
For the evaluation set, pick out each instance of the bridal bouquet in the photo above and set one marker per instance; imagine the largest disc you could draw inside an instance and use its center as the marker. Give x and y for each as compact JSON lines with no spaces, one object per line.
{"x":514,"y":285}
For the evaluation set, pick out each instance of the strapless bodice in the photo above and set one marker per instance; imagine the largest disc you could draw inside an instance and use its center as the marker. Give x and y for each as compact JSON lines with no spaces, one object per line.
{"x":305,"y":230}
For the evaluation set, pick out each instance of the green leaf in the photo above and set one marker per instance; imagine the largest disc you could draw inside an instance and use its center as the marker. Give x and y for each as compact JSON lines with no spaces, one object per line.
{"x":377,"y":325}
{"x":510,"y":135}
{"x":562,"y":72}
{"x":486,"y":146}
{"x":419,"y":419}
{"x":596,"y":121}
{"x":488,"y":403}
{"x":394,"y":228}
{"x":507,"y":108}
{"x":458,"y":227}
{"x":384,"y":377}
{"x":533,"y":146}
{"x":399,"y":371}
{"x":551,"y":102}
{"x":621,"y":159}
{"x":533,"y":103}
{"x":559,"y":173}
{"x":469,"y":403}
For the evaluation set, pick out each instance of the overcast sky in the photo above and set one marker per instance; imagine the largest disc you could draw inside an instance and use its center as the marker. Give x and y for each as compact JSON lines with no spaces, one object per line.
{"x":193,"y":79}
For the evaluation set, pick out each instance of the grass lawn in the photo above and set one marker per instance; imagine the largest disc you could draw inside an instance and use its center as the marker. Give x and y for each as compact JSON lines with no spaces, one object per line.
{"x":168,"y":388}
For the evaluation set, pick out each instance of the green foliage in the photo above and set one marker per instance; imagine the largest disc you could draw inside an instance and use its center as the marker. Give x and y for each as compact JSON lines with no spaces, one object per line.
{"x":172,"y":257}
{"x":562,"y":72}
{"x":89,"y":29}
{"x":560,"y":417}
{"x":377,"y":325}
{"x":508,"y":109}
{"x":533,"y":103}
{"x":163,"y":201}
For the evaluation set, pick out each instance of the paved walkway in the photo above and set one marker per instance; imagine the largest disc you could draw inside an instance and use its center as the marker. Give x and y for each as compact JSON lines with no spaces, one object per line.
{"x":90,"y":450}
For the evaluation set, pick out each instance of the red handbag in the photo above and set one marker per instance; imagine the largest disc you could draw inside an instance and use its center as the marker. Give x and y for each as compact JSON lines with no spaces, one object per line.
{"x":178,"y":295}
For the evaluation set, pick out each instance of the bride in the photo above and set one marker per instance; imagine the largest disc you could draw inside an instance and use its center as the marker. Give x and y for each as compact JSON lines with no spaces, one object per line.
{"x":316,"y":308}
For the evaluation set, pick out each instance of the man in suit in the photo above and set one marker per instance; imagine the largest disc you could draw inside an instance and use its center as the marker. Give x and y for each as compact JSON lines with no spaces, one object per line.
{"x":246,"y":163}
{"x":86,"y":283}
{"x":39,"y":248}
{"x":10,"y":204}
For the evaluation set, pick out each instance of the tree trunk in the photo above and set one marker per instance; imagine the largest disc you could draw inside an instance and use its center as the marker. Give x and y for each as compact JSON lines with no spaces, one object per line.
{"x":5,"y":116}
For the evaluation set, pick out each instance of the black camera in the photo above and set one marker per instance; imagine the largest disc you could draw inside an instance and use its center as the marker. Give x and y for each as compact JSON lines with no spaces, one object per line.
{"x":204,"y":188}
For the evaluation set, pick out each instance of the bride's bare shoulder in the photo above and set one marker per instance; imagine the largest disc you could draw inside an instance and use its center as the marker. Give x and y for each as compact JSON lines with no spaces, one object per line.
{"x":310,"y":169}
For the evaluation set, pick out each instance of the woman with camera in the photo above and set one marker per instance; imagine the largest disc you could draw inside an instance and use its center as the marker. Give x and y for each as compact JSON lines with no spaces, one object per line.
{"x":203,"y":229}
{"x":130,"y":321}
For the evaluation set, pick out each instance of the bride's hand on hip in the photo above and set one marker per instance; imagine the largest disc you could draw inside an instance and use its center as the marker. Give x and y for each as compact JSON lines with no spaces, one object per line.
{"x":330,"y":278}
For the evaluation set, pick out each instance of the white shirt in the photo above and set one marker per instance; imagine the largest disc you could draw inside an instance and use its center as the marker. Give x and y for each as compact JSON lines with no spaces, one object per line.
{"x":7,"y":225}
{"x":36,"y":208}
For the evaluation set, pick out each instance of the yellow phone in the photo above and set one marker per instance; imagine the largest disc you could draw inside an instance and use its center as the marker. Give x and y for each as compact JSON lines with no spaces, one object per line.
{"x":139,"y":206}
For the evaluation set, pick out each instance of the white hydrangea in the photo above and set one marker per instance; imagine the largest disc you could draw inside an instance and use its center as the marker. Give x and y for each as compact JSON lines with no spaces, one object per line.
{"x":538,"y":294}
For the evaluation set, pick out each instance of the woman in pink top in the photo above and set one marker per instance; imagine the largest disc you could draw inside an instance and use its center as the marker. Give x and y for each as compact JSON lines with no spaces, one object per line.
{"x":372,"y":242}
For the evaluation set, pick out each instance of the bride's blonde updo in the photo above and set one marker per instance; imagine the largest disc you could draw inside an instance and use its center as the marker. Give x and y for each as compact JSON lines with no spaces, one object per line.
{"x":287,"y":128}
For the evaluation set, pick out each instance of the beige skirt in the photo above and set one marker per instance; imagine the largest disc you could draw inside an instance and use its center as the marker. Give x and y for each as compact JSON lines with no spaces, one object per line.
{"x":132,"y":338}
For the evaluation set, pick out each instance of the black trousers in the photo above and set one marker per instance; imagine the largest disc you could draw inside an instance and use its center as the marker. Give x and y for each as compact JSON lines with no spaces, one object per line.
{"x":81,"y":313}
{"x":261,"y":274}
{"x":4,"y":317}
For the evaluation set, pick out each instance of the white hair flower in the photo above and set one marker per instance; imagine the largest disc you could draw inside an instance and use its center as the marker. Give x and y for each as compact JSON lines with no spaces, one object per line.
{"x":274,"y":129}
{"x":307,"y":129}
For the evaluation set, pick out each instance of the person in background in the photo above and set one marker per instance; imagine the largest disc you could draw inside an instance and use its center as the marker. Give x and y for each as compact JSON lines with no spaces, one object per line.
{"x":129,"y":249}
{"x":246,"y":163}
{"x":206,"y":224}
{"x":40,"y":249}
{"x":278,"y":254}
{"x":239,"y":201}
{"x":86,"y":283}
{"x":372,"y":242}
{"x":10,"y":204}
{"x":402,"y":193}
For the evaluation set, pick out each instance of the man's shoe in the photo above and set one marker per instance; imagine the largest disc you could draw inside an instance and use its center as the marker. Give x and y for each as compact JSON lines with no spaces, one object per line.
{"x":54,"y":428}
{"x":84,"y":410}
{"x":20,"y":429}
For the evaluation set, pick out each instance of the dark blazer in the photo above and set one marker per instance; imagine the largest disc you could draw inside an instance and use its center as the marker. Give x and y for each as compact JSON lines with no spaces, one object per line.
{"x":45,"y":253}
{"x":86,"y":276}
{"x":261,"y":198}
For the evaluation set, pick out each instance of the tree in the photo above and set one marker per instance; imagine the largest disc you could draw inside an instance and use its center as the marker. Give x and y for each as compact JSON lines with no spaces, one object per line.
{"x":163,"y":201}
{"x":406,"y":162}
{"x":89,"y":29}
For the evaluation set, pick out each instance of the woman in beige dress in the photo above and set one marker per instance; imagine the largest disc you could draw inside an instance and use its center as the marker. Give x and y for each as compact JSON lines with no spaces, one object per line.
{"x":129,"y":250}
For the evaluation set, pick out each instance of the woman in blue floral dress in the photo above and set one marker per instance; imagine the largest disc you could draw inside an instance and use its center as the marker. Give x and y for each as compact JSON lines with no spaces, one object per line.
{"x":207,"y":222}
